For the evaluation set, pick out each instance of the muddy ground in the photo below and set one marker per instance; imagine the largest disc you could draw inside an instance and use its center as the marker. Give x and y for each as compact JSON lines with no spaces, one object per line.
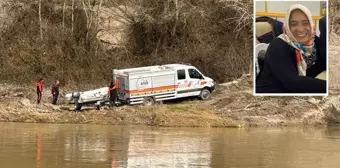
{"x":232,"y":105}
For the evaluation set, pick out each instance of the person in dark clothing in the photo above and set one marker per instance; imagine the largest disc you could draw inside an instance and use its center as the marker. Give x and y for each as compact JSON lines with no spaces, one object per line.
{"x":293,"y":59}
{"x":39,"y":90}
{"x":267,"y":29}
{"x":55,"y":92}
{"x":112,"y":92}
{"x":275,"y":26}
{"x":323,"y":34}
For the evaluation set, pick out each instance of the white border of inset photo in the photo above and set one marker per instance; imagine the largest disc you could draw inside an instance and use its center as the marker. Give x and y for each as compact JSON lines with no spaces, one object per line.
{"x":254,"y":51}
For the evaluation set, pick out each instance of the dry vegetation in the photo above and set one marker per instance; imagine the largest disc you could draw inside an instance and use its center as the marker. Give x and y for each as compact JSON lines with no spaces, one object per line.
{"x":58,"y":39}
{"x":334,"y":45}
{"x":334,"y":16}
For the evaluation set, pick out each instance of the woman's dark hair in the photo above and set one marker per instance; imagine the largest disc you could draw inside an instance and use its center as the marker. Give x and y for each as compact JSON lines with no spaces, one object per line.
{"x":40,"y":79}
{"x":111,"y":84}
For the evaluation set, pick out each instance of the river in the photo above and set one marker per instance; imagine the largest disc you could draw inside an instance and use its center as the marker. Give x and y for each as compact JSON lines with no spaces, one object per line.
{"x":25,"y":145}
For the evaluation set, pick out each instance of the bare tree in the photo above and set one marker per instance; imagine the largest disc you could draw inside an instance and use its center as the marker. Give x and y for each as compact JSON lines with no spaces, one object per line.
{"x":98,"y":10}
{"x":122,"y":12}
{"x":87,"y":10}
{"x":41,"y":34}
{"x":72,"y":18}
{"x":334,"y":16}
{"x":64,"y":6}
{"x":91,"y":14}
{"x":244,"y":14}
{"x":177,"y":7}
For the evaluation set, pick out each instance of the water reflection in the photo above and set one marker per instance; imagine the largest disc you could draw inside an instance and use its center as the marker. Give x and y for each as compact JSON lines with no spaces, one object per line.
{"x":95,"y":146}
{"x":169,"y":147}
{"x":38,"y":149}
{"x":333,"y":133}
{"x":287,"y":147}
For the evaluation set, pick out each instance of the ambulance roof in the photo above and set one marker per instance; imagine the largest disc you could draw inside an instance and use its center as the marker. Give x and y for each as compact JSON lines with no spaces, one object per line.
{"x":177,"y":66}
{"x":155,"y":68}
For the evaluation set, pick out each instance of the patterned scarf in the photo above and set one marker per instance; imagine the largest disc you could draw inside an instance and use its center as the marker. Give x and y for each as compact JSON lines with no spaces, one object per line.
{"x":305,"y":54}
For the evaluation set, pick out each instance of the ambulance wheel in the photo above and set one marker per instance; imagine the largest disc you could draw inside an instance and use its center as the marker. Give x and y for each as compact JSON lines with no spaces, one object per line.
{"x":148,"y":101}
{"x":205,"y":94}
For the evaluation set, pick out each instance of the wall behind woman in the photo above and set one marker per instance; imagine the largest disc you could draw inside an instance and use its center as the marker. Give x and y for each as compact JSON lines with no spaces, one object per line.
{"x":282,"y":6}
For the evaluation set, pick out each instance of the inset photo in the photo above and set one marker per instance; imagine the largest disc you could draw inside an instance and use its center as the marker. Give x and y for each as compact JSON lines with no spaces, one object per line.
{"x":290,"y":48}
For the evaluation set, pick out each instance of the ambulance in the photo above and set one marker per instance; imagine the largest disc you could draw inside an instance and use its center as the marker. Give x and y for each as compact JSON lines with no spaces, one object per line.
{"x":151,"y":84}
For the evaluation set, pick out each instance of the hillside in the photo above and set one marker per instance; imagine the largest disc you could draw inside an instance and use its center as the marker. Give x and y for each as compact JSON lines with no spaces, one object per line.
{"x":81,"y":43}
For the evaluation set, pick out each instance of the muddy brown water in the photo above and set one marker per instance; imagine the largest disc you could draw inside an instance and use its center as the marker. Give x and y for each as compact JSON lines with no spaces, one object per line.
{"x":100,"y":146}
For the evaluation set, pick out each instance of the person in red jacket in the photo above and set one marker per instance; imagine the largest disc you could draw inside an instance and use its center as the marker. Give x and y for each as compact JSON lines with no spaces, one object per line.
{"x":39,"y":90}
{"x":112,"y":92}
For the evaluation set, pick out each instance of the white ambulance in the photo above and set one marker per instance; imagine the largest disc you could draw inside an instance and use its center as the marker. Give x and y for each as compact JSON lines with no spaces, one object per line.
{"x":147,"y":85}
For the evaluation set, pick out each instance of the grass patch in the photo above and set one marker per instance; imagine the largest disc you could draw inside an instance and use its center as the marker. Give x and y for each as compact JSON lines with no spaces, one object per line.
{"x":177,"y":108}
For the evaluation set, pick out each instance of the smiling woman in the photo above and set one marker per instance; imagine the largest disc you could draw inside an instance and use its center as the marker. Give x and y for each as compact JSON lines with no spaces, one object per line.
{"x":294,"y":59}
{"x":300,"y":26}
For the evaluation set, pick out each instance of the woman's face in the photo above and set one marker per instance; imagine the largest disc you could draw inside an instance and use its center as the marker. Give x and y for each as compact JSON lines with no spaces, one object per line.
{"x":299,"y":26}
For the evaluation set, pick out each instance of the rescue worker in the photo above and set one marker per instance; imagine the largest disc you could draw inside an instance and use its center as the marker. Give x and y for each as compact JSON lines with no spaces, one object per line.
{"x":55,"y":92}
{"x":39,"y":90}
{"x":112,"y":92}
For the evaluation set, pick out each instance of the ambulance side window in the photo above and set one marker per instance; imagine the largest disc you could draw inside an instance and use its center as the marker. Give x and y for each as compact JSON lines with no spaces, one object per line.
{"x":194,"y":74}
{"x":180,"y":74}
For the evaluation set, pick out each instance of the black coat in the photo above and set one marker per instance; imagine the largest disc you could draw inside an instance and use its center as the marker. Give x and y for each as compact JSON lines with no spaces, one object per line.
{"x":323,"y":35}
{"x":280,"y":74}
{"x":55,"y":90}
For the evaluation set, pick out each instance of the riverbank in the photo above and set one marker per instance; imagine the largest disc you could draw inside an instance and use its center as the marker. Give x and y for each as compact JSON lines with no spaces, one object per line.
{"x":232,"y":105}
